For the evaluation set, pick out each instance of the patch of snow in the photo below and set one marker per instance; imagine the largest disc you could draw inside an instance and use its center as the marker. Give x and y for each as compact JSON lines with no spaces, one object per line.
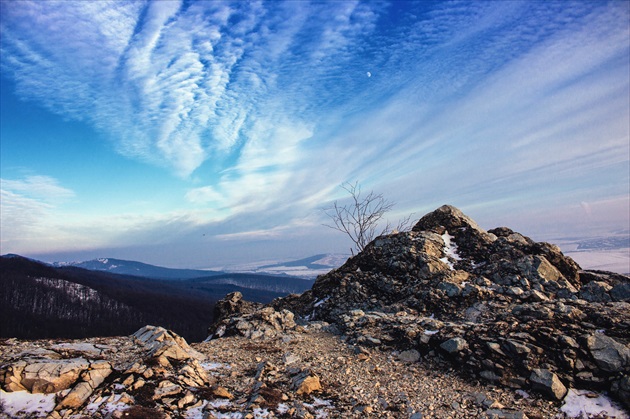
{"x":219,"y":403}
{"x":76,"y":292}
{"x":282,"y":408}
{"x":321,"y":402}
{"x":209,"y":366}
{"x":195,"y":412}
{"x":107,"y":406}
{"x":430,"y":332}
{"x":318,"y":407}
{"x":450,"y":249}
{"x":262,"y":413}
{"x":201,"y":411}
{"x":577,"y":404}
{"x":22,"y":402}
{"x":322,"y":301}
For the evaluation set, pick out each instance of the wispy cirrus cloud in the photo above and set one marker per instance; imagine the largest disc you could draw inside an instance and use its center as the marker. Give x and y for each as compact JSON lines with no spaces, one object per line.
{"x":44,"y":188}
{"x":27,"y":207}
{"x":173,"y":84}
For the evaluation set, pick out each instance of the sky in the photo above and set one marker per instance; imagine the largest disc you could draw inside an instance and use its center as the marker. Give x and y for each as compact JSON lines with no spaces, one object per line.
{"x":202,"y":133}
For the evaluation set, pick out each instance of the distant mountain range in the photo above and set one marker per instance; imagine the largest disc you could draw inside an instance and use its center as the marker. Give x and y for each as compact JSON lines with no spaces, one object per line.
{"x":306,"y":268}
{"x":128,"y":267}
{"x":40,"y":300}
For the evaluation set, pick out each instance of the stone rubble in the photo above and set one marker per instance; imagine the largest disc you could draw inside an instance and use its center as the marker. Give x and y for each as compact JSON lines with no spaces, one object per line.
{"x":306,"y":372}
{"x":444,"y":321}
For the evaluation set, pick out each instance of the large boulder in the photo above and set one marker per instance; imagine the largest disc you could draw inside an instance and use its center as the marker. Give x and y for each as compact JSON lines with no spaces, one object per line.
{"x":261,"y":323}
{"x":610,"y":355}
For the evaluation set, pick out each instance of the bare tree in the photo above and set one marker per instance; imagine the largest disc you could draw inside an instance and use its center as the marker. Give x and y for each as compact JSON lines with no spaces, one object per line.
{"x":360,"y":218}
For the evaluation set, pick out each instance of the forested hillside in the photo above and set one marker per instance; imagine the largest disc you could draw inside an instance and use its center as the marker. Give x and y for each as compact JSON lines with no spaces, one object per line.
{"x":39,"y":301}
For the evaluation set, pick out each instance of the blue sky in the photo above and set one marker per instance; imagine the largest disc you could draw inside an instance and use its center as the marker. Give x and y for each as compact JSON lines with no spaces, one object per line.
{"x":198,"y":133}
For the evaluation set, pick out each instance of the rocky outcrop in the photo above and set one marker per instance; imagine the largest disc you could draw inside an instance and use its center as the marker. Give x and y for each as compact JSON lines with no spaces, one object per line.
{"x":238,"y":317}
{"x":156,"y":367}
{"x":504,"y":308}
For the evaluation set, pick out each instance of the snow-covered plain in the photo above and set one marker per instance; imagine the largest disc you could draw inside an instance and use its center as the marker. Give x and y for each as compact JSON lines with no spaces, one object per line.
{"x":606,"y":254}
{"x":617,"y":260}
{"x":310,"y":269}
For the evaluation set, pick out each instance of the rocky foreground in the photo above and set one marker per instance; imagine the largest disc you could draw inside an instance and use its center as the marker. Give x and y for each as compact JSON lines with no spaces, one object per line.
{"x":447,"y":320}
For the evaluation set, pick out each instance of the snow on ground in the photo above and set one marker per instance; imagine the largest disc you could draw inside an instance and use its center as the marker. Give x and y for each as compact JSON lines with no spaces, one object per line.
{"x":450,"y":249}
{"x":108,"y":405}
{"x":22,"y":402}
{"x":209,"y":366}
{"x":582,"y":403}
{"x":320,"y":302}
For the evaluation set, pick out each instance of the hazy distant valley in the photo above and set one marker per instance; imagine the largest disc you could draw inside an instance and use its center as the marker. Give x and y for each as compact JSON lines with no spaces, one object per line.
{"x":107,"y":297}
{"x":608,"y":252}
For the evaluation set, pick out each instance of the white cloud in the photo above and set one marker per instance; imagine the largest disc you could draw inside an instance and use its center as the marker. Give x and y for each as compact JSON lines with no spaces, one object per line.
{"x":44,"y":188}
{"x":27,"y":209}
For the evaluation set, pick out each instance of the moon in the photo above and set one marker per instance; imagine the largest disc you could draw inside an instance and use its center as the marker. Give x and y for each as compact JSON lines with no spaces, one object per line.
{"x":369,"y":74}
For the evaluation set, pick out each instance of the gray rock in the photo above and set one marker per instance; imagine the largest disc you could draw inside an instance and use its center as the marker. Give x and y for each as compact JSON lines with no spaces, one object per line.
{"x":596,"y":292}
{"x":490,"y":376}
{"x":450,"y":289}
{"x":609,"y":355}
{"x":454,"y":345}
{"x":516,"y":348}
{"x":290,"y":358}
{"x":621,"y":292}
{"x":548,"y":383}
{"x":504,"y":414}
{"x":537,"y":268}
{"x":621,"y":389}
{"x":409,"y":356}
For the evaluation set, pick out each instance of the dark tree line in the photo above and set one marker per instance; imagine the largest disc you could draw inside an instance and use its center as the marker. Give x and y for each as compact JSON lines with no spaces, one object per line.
{"x":39,"y":301}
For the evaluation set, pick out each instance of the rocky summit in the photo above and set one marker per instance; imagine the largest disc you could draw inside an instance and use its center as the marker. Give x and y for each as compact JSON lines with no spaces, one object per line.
{"x":495,"y":304}
{"x":446,"y":320}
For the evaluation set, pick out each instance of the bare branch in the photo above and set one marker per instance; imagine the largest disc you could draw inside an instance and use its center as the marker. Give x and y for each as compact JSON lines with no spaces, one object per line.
{"x":359,"y":219}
